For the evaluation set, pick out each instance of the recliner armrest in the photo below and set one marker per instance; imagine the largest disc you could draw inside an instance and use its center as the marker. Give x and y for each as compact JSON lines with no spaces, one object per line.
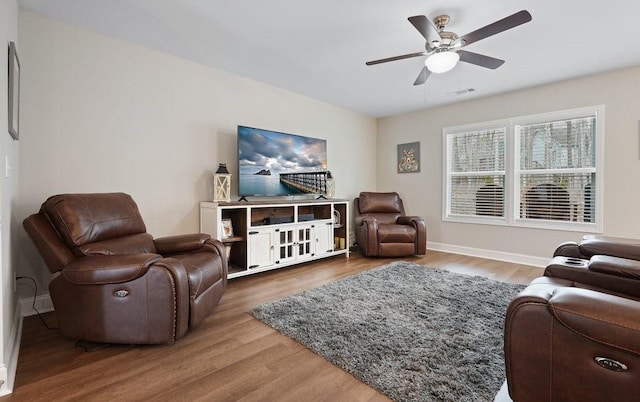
{"x":603,"y":318}
{"x":553,"y":333}
{"x":360,"y":220}
{"x":623,"y":267}
{"x":614,"y":247}
{"x":368,"y":234}
{"x":569,"y":249}
{"x":180,"y":243}
{"x":105,"y":269}
{"x":421,"y":231}
{"x":601,"y":277}
{"x":409,"y":220}
{"x":369,"y":221}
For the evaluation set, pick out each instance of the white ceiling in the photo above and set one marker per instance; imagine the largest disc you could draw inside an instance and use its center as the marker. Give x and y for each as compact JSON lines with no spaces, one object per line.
{"x":319,"y":48}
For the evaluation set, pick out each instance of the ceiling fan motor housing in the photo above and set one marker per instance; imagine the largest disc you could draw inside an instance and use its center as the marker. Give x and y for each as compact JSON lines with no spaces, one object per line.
{"x":441,"y":21}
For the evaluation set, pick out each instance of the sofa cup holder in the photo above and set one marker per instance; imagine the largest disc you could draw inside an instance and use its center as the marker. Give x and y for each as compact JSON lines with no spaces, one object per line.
{"x":574,"y":261}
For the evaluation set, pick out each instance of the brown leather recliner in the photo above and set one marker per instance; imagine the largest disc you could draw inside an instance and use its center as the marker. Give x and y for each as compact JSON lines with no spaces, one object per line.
{"x":574,"y":334}
{"x":612,"y":264}
{"x":382,"y":228}
{"x":564,"y":342}
{"x":592,"y":245}
{"x":112,"y":282}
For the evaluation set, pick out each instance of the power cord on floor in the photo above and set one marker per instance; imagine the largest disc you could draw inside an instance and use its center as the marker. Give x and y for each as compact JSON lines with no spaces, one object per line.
{"x":35,"y":295}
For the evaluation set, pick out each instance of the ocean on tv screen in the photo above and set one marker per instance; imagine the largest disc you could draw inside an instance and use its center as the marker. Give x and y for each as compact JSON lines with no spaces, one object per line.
{"x":255,"y":184}
{"x":264,"y":155}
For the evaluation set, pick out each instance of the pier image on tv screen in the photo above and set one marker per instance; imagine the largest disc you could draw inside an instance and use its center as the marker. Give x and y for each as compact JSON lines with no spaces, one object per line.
{"x":274,"y":163}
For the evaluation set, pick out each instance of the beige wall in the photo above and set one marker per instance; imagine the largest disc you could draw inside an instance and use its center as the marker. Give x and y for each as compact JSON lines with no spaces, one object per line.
{"x":106,"y":115}
{"x":9,"y":226}
{"x":618,"y":91}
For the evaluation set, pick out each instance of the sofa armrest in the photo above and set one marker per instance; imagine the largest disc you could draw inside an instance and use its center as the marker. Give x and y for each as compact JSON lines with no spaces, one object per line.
{"x":603,"y":318}
{"x":106,"y":269}
{"x":622,"y":267}
{"x":601,"y":277}
{"x":181,"y":243}
{"x":615,"y":247}
{"x":569,"y":249}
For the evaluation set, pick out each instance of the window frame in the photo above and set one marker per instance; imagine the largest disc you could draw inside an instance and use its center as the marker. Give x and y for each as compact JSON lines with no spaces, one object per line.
{"x":461,"y":130}
{"x":512,"y":171}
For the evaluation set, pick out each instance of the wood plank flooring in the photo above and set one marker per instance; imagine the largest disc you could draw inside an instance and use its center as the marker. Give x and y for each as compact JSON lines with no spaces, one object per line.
{"x":229,"y":357}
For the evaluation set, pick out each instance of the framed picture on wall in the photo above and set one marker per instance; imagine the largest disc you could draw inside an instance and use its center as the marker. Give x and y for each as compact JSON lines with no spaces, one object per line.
{"x":14,"y":92}
{"x":409,"y":157}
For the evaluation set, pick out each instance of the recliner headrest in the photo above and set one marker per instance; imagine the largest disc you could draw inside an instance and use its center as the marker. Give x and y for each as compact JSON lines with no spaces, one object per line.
{"x":370,"y":202}
{"x":87,"y":218}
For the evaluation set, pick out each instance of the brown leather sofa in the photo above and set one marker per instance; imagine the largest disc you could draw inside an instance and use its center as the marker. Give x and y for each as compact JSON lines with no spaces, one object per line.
{"x":382,"y":228}
{"x":112,"y":282}
{"x":574,"y":334}
{"x":607,"y":263}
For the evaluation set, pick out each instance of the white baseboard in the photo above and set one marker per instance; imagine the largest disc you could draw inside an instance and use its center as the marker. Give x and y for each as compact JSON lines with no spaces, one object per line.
{"x":43,"y":304}
{"x":5,"y":387}
{"x":8,"y":372}
{"x":490,"y":254}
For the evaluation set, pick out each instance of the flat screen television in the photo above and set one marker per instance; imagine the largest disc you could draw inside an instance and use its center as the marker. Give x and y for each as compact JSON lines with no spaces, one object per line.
{"x":271,"y":163}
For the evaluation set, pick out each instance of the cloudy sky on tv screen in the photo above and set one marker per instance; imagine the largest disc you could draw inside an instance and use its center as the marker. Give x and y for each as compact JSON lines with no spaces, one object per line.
{"x":268,"y":153}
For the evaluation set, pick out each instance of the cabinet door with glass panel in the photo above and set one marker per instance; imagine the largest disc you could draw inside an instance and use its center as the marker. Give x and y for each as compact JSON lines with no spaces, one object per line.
{"x":285,"y":244}
{"x":293,"y":243}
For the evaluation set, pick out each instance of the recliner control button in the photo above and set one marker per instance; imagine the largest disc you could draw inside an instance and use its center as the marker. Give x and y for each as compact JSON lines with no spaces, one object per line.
{"x":121,"y":293}
{"x":611,"y":364}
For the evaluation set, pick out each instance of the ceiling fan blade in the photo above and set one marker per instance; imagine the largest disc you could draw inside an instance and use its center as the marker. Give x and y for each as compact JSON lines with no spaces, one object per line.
{"x":426,"y":28}
{"x":480,"y":59}
{"x":404,"y":56}
{"x":509,"y":22}
{"x":422,"y":77}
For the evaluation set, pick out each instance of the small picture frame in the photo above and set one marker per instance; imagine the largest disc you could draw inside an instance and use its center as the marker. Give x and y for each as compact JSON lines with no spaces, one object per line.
{"x":227,"y":228}
{"x":409,"y":157}
{"x":14,"y":92}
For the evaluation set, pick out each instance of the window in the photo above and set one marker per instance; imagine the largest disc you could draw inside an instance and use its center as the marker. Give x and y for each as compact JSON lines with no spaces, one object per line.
{"x":535,"y":171}
{"x":476,"y":173}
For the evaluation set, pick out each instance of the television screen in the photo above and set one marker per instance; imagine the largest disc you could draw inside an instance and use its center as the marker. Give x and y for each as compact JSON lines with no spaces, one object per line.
{"x":275,"y":163}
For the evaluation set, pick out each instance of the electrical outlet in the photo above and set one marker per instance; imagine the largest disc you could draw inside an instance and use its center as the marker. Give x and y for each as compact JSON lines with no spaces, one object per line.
{"x":7,"y":166}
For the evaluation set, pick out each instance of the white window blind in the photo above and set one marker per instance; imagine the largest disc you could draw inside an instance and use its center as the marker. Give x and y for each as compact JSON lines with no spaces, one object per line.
{"x":475,"y":173}
{"x":542,"y":171}
{"x":556,"y":169}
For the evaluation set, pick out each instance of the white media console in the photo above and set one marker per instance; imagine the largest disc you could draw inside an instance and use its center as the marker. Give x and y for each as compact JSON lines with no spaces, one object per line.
{"x":260,"y":236}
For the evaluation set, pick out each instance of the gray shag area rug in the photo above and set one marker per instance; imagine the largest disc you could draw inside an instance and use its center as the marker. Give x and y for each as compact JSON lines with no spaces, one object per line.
{"x":413,"y":333}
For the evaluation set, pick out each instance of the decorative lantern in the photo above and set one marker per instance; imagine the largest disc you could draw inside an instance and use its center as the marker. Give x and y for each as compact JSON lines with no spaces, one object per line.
{"x":222,"y":184}
{"x":331,"y":186}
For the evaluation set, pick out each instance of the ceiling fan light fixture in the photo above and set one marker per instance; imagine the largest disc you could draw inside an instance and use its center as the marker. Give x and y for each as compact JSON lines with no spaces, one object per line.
{"x":441,"y":62}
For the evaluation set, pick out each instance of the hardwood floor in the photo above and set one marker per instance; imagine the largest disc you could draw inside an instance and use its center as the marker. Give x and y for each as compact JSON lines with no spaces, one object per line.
{"x":230,"y":356}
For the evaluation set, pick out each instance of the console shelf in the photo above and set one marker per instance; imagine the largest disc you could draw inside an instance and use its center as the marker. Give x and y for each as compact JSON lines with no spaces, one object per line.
{"x":268,"y":235}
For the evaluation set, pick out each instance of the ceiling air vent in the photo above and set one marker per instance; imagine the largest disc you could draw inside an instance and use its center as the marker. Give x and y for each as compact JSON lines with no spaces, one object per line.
{"x":462,"y":92}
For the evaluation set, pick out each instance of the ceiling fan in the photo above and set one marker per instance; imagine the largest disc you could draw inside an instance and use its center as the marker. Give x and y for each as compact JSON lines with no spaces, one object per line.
{"x":443,"y":48}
